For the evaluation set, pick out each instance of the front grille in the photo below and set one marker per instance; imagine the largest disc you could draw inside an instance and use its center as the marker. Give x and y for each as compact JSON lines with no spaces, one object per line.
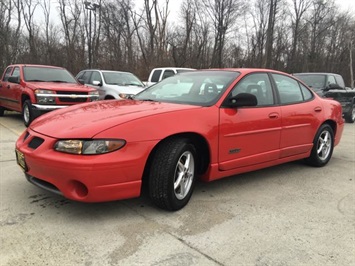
{"x":71,"y":98}
{"x":35,"y":143}
{"x":43,"y":184}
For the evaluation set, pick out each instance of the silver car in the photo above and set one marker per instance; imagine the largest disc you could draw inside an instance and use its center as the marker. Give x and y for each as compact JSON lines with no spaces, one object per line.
{"x":111,"y":84}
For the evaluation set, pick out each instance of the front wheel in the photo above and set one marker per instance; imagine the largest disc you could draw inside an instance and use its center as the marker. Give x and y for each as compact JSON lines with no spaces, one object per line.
{"x":323,"y":146}
{"x":350,"y":116}
{"x":172,"y":174}
{"x":27,"y":113}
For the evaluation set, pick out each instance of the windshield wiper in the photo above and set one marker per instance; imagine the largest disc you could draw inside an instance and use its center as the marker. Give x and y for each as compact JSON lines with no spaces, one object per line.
{"x":59,"y":81}
{"x":35,"y":80}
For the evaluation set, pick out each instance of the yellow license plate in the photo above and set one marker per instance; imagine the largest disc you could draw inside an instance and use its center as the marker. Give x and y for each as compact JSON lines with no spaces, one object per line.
{"x":20,"y":158}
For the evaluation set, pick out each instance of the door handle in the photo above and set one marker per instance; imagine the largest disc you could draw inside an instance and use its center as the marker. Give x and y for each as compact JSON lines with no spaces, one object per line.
{"x":318,"y":109}
{"x":273,"y":115}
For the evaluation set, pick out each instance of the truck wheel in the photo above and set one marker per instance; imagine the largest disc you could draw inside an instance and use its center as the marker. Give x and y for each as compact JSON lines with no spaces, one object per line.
{"x":27,"y":113}
{"x":323,"y":145}
{"x":2,"y":110}
{"x":350,"y":116}
{"x":172,"y":174}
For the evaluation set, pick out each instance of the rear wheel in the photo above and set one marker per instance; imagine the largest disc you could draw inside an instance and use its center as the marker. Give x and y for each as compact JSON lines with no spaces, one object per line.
{"x":172,"y":174}
{"x":27,"y":113}
{"x":350,"y":116}
{"x":323,"y":146}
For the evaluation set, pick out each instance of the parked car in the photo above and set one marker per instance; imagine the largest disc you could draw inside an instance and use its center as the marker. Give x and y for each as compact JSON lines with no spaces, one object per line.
{"x":160,"y":73}
{"x":228,"y":122}
{"x":330,"y":85}
{"x":111,"y":84}
{"x":35,"y":89}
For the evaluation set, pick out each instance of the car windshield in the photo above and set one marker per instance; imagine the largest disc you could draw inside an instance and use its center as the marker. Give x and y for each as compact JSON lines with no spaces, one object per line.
{"x":202,"y":88}
{"x":313,"y":81}
{"x":47,"y":74}
{"x":122,"y":79}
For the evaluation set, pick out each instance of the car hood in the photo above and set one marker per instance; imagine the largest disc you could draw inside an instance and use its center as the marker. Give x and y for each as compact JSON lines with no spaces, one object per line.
{"x":129,"y":89}
{"x":59,"y":86}
{"x":87,"y":120}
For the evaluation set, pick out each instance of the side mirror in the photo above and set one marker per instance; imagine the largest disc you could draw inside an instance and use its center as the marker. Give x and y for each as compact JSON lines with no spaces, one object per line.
{"x":242,"y":99}
{"x":96,"y":83}
{"x":14,"y":79}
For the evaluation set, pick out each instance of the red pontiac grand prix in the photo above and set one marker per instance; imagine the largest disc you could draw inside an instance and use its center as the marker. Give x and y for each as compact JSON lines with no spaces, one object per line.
{"x":205,"y":124}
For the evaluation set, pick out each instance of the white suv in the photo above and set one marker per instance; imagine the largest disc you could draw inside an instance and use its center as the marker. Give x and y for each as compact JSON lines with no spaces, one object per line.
{"x":111,"y":84}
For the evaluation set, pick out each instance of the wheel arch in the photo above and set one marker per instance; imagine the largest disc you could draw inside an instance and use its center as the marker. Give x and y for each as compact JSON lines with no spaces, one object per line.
{"x":332,"y":124}
{"x":202,"y":150}
{"x":109,"y":97}
{"x":24,"y":97}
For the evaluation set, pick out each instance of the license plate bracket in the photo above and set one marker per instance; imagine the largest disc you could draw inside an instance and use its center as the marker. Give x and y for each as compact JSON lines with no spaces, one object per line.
{"x":20,"y":159}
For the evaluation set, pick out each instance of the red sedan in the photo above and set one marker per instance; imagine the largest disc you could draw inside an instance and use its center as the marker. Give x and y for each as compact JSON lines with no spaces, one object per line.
{"x":204,"y":124}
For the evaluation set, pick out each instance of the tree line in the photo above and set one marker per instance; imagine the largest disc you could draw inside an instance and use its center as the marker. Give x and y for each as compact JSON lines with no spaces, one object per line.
{"x":136,"y":36}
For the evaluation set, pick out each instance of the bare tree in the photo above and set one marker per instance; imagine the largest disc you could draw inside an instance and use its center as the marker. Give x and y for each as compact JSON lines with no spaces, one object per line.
{"x":223,"y":14}
{"x":299,"y":9}
{"x":28,"y":9}
{"x":273,"y":9}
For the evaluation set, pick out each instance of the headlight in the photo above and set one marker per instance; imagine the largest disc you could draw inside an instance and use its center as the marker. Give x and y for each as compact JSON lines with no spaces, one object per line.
{"x":99,"y":146}
{"x":125,"y":95}
{"x":45,"y":96}
{"x":94,"y":95}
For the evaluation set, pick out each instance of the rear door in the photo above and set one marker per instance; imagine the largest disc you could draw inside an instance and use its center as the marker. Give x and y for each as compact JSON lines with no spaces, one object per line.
{"x":250,"y":135}
{"x":301,"y":114}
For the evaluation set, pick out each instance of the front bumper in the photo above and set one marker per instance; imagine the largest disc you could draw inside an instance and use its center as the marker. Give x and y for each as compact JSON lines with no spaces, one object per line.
{"x":90,"y":178}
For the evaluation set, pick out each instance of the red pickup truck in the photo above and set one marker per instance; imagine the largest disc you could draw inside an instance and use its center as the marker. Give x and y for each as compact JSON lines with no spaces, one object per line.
{"x":36,"y":89}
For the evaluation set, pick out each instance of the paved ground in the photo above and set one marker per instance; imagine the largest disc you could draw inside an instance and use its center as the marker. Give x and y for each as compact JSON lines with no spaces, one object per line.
{"x":286,"y":215}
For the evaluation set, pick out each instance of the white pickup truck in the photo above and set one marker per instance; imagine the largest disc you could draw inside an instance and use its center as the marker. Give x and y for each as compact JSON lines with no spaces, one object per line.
{"x":158,"y":74}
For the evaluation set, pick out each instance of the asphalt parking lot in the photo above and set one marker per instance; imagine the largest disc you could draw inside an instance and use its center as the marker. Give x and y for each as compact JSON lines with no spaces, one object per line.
{"x":290,"y":214}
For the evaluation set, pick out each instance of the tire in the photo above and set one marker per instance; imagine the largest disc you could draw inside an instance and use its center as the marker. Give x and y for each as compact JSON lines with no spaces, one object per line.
{"x":172,"y":174}
{"x":27,"y":113}
{"x":323,"y":146}
{"x":350,"y":116}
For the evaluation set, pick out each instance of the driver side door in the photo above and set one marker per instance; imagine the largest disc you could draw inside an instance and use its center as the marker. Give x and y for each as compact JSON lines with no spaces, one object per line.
{"x":250,"y":135}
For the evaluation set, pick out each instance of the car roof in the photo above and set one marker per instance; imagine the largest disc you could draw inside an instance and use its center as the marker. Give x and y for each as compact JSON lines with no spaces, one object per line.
{"x":248,"y":70}
{"x":103,"y":70}
{"x":315,"y":73}
{"x":35,"y":65}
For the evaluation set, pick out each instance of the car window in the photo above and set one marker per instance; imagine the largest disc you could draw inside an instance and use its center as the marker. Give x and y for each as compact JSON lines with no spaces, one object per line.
{"x":257,"y":84}
{"x":86,"y":76}
{"x":168,"y":73}
{"x":16,"y":72}
{"x":95,"y":77}
{"x":289,"y":89}
{"x":313,"y":81}
{"x":156,"y":75}
{"x":340,"y":81}
{"x":331,"y":80}
{"x":7,"y":73}
{"x":307,"y":95}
